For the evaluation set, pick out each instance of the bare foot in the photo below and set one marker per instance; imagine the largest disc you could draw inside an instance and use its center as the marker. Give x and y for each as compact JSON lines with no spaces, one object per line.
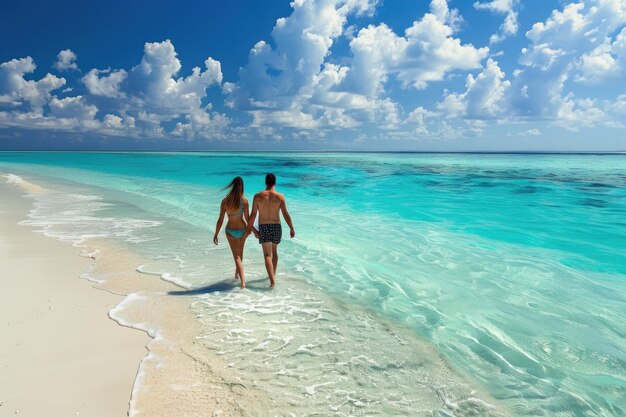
{"x":272,"y":283}
{"x":236,"y":276}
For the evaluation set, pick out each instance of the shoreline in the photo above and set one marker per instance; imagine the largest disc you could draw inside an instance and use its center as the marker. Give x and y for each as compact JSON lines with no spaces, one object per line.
{"x":183,"y":373}
{"x":62,"y":355}
{"x":68,"y":291}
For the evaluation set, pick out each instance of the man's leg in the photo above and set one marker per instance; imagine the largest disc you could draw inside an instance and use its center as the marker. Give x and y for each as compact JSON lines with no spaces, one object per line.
{"x":269,"y":264}
{"x":274,"y":256}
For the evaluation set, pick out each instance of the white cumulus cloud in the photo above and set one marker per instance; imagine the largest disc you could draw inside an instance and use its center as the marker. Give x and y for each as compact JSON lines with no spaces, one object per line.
{"x":66,"y":60}
{"x":558,"y":46}
{"x":155,"y":83}
{"x":153,"y":93}
{"x":508,"y":7}
{"x":426,"y":53}
{"x":72,"y":108}
{"x":606,"y":62}
{"x":105,"y":83}
{"x":294,"y":78}
{"x":483,"y":97}
{"x":15,"y":89}
{"x":276,"y":77}
{"x":145,"y":101}
{"x":419,"y":117}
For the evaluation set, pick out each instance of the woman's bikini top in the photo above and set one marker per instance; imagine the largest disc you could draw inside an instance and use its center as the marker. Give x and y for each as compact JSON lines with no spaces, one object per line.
{"x":239,"y":213}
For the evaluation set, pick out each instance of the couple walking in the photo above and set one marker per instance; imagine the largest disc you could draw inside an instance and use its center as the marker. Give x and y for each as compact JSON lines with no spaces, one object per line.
{"x":267,"y":204}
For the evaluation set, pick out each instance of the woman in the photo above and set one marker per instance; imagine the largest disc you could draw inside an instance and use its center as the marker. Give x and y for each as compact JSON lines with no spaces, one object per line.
{"x":235,"y":206}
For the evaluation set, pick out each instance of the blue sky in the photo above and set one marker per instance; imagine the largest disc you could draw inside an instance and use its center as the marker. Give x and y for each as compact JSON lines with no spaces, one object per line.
{"x":491,"y":75}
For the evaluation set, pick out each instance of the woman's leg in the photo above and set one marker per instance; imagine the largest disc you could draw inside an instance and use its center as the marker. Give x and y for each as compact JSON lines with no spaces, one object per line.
{"x":242,"y":243}
{"x":234,"y":248}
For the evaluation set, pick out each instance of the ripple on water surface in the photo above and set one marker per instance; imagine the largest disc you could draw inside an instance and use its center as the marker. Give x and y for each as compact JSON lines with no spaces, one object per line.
{"x":317,"y":357}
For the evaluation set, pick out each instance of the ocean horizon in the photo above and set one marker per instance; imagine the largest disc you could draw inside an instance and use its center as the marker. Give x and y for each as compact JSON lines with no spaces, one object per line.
{"x":419,"y":283}
{"x":324,"y":151}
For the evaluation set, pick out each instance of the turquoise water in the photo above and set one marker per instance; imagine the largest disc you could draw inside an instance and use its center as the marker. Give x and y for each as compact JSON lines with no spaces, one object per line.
{"x":512,"y":267}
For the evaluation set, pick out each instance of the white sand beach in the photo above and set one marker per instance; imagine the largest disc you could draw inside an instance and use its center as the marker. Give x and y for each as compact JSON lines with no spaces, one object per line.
{"x":68,"y":346}
{"x":60,"y":353}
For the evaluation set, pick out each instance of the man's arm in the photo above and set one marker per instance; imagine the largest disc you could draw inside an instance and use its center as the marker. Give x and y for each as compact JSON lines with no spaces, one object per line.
{"x":287,"y":217}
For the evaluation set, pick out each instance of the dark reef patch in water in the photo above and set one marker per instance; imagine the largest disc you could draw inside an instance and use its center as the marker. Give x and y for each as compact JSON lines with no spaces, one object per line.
{"x":401,"y":173}
{"x":308,"y":181}
{"x":593,"y":202}
{"x":285,"y":163}
{"x":526,"y":190}
{"x":600,"y":185}
{"x":240,"y":173}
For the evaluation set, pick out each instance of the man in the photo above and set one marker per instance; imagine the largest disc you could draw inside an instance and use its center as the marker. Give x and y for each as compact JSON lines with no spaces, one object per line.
{"x":268,"y":204}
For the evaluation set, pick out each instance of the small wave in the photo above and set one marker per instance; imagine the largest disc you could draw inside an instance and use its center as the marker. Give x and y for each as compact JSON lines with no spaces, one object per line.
{"x":175,"y":280}
{"x":23,"y":184}
{"x":73,"y":218}
{"x":165,"y":276}
{"x":116,"y":314}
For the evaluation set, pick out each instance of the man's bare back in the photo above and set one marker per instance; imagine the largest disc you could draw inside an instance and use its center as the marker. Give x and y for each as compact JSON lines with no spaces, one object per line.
{"x":268,"y":204}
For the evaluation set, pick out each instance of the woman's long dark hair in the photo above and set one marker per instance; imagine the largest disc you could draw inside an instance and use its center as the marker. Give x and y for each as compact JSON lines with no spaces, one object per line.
{"x":232,"y":201}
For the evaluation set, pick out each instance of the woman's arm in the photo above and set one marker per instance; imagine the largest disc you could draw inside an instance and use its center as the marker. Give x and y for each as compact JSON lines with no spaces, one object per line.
{"x":252,"y":217}
{"x":218,"y":225}
{"x":246,"y":212}
{"x":246,"y":215}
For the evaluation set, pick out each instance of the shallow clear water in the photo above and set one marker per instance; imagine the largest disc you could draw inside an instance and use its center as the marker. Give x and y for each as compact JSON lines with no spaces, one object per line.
{"x":513,"y":267}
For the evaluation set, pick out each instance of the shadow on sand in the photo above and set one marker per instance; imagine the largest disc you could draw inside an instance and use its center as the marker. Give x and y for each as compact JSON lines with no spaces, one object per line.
{"x":261,"y":284}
